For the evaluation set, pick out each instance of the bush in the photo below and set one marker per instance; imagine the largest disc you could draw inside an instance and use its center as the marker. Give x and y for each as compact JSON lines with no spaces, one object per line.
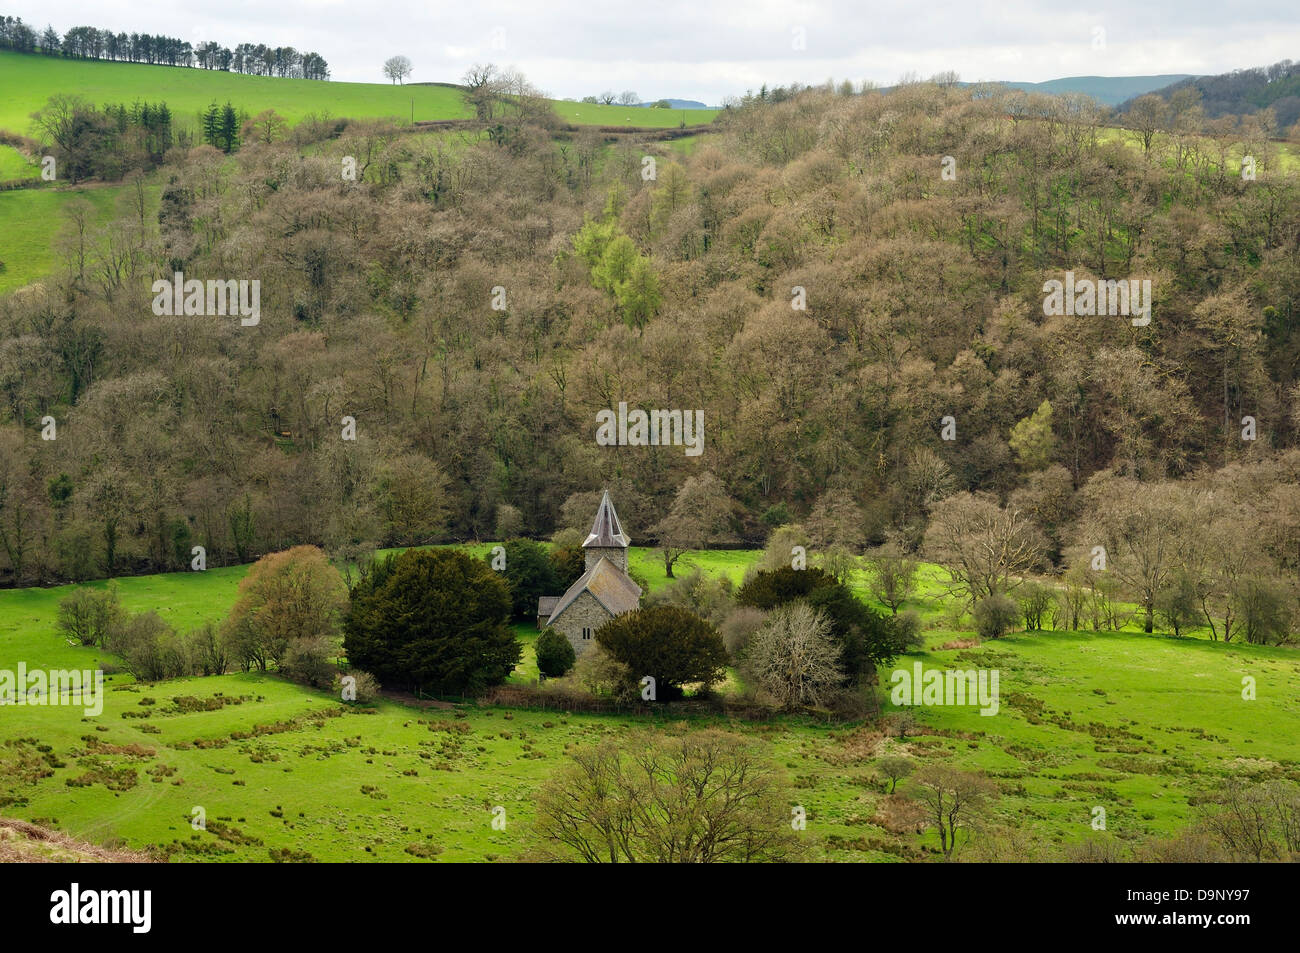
{"x":707,"y":597}
{"x":794,"y":657}
{"x":867,"y":638}
{"x":90,"y":616}
{"x":307,"y":662}
{"x":149,"y":648}
{"x":599,"y":673}
{"x":995,"y":616}
{"x":555,"y":656}
{"x":739,"y":627}
{"x":364,"y":685}
{"x":907,"y":625}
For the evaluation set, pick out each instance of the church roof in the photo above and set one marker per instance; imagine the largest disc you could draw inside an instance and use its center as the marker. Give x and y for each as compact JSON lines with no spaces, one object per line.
{"x":607,"y":531}
{"x":546,"y":605}
{"x":610,"y":586}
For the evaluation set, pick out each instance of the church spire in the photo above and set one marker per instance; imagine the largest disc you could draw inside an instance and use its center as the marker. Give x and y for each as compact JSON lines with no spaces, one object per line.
{"x":606,"y":531}
{"x":606,"y":539}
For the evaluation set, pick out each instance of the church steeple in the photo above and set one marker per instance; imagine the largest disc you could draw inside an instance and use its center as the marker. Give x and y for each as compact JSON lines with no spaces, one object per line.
{"x":606,"y":538}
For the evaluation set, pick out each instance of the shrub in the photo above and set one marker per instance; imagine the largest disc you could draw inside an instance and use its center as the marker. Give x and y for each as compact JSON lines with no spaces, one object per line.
{"x":739,"y":627}
{"x":866,"y":637}
{"x":995,"y":616}
{"x":307,"y":662}
{"x":555,"y":656}
{"x":708,"y":597}
{"x":701,"y":797}
{"x":907,"y":624}
{"x":364,"y":685}
{"x":147,"y":645}
{"x":599,"y":673}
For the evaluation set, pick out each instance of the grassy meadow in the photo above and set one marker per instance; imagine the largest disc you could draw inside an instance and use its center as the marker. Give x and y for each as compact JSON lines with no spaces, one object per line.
{"x":1133,"y":723}
{"x":26,"y":82}
{"x":30,"y":220}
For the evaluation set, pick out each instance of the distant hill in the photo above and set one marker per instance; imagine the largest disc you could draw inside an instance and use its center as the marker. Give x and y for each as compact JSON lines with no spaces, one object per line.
{"x":1245,"y":91}
{"x":1109,"y":90}
{"x":680,"y":104}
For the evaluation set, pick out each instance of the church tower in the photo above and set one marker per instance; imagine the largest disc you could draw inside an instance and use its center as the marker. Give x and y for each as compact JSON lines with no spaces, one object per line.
{"x":607,"y":538}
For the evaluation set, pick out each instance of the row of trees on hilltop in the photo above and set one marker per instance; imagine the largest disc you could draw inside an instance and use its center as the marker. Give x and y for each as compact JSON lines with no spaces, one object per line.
{"x":88,"y":42}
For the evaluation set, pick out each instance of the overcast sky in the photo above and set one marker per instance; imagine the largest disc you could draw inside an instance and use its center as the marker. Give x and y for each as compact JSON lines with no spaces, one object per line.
{"x":709,"y":49}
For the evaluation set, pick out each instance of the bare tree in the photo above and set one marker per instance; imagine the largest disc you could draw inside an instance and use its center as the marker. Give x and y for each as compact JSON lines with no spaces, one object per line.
{"x":483,"y":84}
{"x":628,"y":98}
{"x":700,"y":514}
{"x":794,"y":656}
{"x":397,"y":68}
{"x":1148,"y":115}
{"x":702,"y":797}
{"x":607,"y":97}
{"x":952,"y":798}
{"x":1141,"y":528}
{"x":982,"y":545}
{"x":893,"y":577}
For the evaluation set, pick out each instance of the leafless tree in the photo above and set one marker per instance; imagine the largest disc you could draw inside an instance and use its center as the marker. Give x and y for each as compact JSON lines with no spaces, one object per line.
{"x":397,"y":68}
{"x":982,"y":545}
{"x":794,"y":657}
{"x":952,"y":798}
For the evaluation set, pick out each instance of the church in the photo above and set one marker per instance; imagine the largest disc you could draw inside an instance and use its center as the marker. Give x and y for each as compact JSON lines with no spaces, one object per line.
{"x":605,"y":590}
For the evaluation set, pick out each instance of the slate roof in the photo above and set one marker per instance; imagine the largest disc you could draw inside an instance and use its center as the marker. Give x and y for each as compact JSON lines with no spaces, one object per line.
{"x":546,"y":605}
{"x":607,"y":530}
{"x":611,"y":587}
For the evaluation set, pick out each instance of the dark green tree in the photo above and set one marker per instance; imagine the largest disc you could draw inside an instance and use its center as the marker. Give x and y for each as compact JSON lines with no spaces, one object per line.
{"x":672,"y":645}
{"x":569,"y":563}
{"x":436,"y":620}
{"x":555,"y":656}
{"x":529,"y":573}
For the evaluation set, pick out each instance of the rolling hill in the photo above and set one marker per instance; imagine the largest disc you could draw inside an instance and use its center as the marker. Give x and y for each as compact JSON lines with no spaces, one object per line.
{"x":27,"y":81}
{"x":1108,"y":90}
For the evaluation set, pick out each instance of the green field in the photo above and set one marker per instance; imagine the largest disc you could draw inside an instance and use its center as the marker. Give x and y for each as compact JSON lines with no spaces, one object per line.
{"x":26,"y":82}
{"x":1133,"y":723}
{"x":14,"y":165}
{"x":30,"y":220}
